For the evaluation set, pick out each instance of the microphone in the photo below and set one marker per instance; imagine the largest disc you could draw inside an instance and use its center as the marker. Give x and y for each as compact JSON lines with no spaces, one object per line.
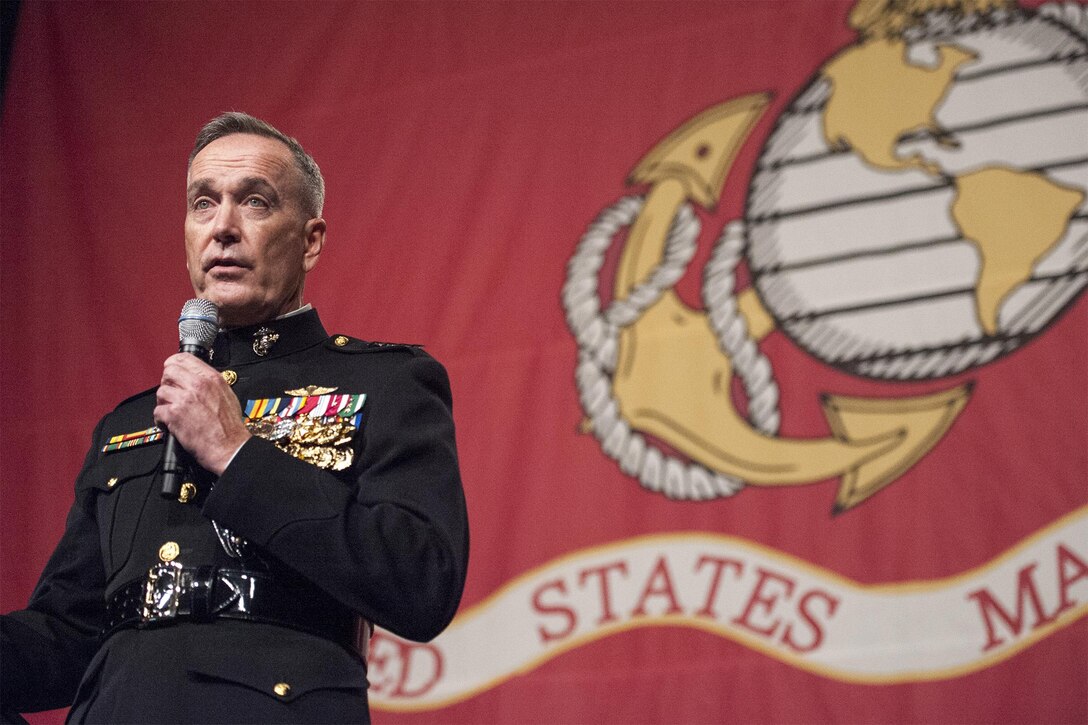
{"x":197,"y":327}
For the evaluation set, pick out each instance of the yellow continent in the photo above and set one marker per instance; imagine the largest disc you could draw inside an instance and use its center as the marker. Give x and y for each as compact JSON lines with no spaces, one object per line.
{"x":878,"y":97}
{"x":1015,"y":218}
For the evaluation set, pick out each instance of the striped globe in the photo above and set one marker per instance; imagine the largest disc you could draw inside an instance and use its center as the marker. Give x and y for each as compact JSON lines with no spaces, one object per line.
{"x":866,"y":268}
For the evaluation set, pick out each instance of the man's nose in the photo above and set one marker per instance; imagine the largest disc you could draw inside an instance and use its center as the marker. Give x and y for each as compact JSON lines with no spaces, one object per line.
{"x":225,"y":230}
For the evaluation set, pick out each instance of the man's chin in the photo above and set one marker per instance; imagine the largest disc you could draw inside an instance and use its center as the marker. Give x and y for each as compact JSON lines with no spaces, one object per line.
{"x":234,"y":312}
{"x":238,"y":307}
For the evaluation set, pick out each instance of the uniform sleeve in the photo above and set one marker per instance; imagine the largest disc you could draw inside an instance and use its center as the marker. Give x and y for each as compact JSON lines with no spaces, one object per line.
{"x":46,"y":647}
{"x":393,"y":545}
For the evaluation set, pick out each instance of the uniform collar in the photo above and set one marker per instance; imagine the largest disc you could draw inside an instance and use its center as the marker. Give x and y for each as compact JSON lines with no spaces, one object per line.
{"x":282,"y":336}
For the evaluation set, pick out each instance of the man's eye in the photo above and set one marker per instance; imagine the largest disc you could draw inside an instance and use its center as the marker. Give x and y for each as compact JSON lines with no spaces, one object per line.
{"x":201,"y":204}
{"x":256,"y":202}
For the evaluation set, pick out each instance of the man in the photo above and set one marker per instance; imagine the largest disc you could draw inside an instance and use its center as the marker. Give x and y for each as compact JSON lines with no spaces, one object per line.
{"x":324,"y":494}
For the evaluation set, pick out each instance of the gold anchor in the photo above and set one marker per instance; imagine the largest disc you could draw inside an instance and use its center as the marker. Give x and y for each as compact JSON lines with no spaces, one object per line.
{"x":673,"y":381}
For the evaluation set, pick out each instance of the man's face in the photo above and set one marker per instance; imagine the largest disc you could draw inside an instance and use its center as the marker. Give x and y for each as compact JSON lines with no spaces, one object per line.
{"x":248,"y":242}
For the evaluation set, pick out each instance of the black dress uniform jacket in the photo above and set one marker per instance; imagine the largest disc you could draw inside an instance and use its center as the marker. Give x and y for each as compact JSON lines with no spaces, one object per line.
{"x":385,"y":538}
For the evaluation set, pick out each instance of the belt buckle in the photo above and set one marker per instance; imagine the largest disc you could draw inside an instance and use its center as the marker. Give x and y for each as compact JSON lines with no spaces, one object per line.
{"x":161,"y":592}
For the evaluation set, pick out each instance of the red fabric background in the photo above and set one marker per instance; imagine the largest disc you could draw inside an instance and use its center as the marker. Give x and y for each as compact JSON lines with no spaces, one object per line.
{"x":466,"y":146}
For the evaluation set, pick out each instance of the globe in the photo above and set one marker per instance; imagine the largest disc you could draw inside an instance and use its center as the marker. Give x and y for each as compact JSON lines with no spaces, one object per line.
{"x":919,"y":209}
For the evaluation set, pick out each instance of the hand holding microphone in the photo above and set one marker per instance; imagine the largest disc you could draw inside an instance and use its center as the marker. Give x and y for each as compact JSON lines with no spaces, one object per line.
{"x":194,"y":403}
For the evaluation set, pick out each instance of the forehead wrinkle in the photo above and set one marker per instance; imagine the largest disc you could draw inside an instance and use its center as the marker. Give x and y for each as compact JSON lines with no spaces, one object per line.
{"x":266,"y":158}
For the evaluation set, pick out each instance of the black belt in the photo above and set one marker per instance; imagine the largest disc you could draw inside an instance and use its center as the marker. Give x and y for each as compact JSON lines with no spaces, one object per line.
{"x":171,"y":592}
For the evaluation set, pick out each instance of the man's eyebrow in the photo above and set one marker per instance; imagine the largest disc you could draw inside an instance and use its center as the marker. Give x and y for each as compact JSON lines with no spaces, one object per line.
{"x":247,"y":185}
{"x":197,"y":186}
{"x":257,"y":183}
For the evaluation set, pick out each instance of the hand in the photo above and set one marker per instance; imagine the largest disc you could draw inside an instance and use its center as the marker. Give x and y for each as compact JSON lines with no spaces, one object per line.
{"x":198,"y":407}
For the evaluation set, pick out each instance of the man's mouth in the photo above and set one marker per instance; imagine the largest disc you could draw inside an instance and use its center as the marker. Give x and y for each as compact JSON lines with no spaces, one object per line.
{"x":223,"y":264}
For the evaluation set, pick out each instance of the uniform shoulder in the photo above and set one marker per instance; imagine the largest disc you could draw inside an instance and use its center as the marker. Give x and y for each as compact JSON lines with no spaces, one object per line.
{"x":143,"y":394}
{"x":131,"y":414}
{"x":354,"y":346}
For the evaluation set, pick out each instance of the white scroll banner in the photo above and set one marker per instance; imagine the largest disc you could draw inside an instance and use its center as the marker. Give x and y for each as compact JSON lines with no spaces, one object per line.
{"x":782,"y":606}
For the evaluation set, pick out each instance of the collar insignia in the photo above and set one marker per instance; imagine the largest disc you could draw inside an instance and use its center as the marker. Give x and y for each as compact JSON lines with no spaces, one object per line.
{"x":263,"y":340}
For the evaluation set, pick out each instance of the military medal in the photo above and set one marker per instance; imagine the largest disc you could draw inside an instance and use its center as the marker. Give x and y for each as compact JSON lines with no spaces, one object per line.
{"x":310,"y":390}
{"x":315,"y":426}
{"x":130,"y":440}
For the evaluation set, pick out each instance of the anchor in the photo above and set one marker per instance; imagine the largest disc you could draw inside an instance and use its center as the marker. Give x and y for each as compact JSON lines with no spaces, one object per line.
{"x":672,"y":379}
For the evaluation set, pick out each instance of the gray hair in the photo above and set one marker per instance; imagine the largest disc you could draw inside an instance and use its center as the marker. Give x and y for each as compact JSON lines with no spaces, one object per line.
{"x":232,"y":122}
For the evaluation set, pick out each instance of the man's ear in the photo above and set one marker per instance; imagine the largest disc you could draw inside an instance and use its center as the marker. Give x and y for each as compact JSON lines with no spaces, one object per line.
{"x":314,"y":241}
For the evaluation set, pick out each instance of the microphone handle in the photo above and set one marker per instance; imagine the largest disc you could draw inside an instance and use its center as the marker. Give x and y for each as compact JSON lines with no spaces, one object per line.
{"x":193,"y":349}
{"x":172,"y":469}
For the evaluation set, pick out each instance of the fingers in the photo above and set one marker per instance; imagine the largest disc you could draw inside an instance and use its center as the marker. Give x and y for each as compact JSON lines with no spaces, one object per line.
{"x":184,"y":365}
{"x":186,"y":382}
{"x":200,"y":410}
{"x":184,"y":371}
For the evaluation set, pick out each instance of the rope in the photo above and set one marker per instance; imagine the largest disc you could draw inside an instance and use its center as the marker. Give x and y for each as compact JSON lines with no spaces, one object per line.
{"x":597,"y":335}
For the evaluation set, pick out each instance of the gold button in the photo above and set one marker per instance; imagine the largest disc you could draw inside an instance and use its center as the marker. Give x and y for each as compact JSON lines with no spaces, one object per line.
{"x":230,"y":376}
{"x":188,"y":490}
{"x":169,"y":551}
{"x":282,"y":689}
{"x":112,"y":482}
{"x":340,"y":341}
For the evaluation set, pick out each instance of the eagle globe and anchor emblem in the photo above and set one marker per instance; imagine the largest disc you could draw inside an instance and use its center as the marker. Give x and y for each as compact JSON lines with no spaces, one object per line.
{"x":917,"y":211}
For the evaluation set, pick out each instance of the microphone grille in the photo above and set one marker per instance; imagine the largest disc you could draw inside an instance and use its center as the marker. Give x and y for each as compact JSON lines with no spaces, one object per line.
{"x":198,"y":323}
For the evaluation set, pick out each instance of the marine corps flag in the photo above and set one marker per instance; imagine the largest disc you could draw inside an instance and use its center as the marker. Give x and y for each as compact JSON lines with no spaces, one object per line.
{"x":765,"y":323}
